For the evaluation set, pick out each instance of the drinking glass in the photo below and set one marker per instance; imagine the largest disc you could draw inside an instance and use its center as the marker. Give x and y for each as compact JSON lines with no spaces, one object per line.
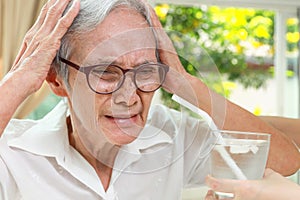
{"x":239,"y":155}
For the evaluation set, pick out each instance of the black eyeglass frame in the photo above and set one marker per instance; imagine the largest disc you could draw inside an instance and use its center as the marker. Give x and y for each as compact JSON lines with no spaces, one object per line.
{"x":86,"y":70}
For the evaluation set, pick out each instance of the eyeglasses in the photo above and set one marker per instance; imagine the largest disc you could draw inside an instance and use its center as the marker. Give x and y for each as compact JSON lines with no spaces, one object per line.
{"x":108,"y":78}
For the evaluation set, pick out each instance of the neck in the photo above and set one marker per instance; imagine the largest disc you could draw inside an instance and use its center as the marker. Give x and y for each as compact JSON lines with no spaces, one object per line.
{"x":102,"y":161}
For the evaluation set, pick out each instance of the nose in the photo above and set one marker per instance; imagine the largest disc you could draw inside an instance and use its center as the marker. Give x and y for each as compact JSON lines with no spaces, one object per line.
{"x":127,"y":93}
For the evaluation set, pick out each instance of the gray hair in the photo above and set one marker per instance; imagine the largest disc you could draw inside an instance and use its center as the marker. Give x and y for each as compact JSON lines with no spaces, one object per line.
{"x":92,"y":13}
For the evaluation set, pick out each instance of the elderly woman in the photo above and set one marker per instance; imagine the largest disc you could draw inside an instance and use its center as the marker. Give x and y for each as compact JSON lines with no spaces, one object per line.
{"x":107,"y":58}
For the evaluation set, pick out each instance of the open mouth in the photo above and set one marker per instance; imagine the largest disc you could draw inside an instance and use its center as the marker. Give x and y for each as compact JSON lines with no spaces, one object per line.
{"x":123,"y":120}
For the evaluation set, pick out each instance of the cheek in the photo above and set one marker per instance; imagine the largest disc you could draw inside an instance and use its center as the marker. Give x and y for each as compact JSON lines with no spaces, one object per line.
{"x":80,"y":94}
{"x":83,"y":100}
{"x":146,"y":99}
{"x":78,"y":82}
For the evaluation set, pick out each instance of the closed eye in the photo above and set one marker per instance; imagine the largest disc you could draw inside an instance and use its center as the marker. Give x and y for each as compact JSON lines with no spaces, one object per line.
{"x":106,"y":73}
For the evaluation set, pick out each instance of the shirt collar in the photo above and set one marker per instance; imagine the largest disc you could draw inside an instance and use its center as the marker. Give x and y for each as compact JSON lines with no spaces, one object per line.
{"x":49,"y":135}
{"x":149,"y":137}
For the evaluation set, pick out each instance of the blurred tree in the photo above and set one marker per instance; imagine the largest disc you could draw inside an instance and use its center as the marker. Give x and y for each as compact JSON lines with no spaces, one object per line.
{"x":233,"y":38}
{"x":237,"y":41}
{"x":292,"y":35}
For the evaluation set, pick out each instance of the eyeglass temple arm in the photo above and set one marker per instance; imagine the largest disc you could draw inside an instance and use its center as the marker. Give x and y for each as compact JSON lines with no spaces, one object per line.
{"x":69,"y":63}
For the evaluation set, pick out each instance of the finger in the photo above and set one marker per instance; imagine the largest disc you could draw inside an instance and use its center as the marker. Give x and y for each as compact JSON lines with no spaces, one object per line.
{"x":38,"y":23}
{"x":66,"y":21}
{"x":168,"y":54}
{"x":51,"y":41}
{"x":154,"y":18}
{"x":33,"y":29}
{"x":51,"y":7}
{"x":164,"y":39}
{"x":164,"y":42}
{"x":161,"y":34}
{"x":53,"y":15}
{"x":54,"y":40}
{"x":222,"y":185}
{"x":210,"y":195}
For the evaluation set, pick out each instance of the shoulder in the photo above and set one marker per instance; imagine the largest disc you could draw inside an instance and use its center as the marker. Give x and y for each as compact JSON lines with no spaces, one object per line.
{"x":55,"y":119}
{"x":162,"y":114}
{"x":17,"y":127}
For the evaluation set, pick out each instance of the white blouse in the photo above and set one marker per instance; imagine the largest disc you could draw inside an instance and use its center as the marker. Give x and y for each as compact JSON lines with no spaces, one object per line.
{"x":37,"y":162}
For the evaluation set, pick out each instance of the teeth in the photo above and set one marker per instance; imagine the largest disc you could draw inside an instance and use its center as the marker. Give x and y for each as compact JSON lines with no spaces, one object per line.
{"x":122,"y":120}
{"x":118,"y":117}
{"x":121,"y":117}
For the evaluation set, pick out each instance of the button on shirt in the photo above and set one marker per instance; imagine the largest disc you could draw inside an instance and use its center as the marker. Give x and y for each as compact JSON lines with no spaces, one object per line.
{"x":37,"y":161}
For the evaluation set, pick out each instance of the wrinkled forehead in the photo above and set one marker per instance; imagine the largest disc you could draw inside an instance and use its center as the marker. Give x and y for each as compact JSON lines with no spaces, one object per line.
{"x":130,"y":43}
{"x":122,"y":32}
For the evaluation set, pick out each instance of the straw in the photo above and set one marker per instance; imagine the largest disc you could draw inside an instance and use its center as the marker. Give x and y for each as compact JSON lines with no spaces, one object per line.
{"x":224,"y":154}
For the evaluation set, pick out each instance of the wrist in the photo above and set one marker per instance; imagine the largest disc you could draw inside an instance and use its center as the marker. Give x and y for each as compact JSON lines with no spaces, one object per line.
{"x":195,"y":91}
{"x":19,"y":83}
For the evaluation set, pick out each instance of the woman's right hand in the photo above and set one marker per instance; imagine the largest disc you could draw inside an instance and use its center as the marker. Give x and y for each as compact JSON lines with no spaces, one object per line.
{"x":41,"y":44}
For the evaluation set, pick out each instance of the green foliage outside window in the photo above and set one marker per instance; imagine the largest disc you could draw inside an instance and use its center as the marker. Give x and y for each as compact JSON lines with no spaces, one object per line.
{"x":240,"y":41}
{"x":225,"y":34}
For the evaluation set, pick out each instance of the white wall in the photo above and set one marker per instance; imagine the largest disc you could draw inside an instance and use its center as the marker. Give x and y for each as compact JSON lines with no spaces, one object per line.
{"x":265,"y":98}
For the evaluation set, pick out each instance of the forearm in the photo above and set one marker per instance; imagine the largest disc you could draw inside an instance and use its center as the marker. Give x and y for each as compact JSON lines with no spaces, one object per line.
{"x":13,"y":91}
{"x":289,"y":126}
{"x":284,"y":157}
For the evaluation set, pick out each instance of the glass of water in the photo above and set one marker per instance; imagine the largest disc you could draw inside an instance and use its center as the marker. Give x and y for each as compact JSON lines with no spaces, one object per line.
{"x":239,"y":155}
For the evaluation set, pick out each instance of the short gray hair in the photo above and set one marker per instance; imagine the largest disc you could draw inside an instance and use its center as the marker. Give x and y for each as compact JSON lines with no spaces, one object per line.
{"x":92,"y":13}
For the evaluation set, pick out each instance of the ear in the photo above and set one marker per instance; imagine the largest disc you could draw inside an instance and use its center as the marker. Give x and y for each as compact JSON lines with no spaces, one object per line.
{"x":56,"y":83}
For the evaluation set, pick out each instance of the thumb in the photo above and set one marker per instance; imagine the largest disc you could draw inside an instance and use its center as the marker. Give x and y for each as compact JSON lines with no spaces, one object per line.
{"x":210,"y":195}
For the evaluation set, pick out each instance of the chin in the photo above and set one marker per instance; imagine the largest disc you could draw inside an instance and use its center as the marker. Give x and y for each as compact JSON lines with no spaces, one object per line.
{"x":122,"y":131}
{"x":122,"y":136}
{"x":123,"y":140}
